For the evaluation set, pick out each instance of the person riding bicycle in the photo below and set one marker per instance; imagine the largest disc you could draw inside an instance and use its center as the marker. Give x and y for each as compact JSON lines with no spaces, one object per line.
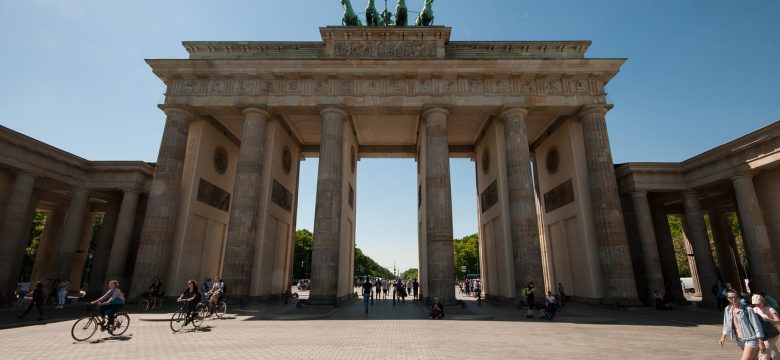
{"x":192,"y":297}
{"x":215,"y":294}
{"x":111,"y":302}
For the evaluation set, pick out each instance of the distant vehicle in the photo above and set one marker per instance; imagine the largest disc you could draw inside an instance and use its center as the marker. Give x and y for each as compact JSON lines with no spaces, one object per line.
{"x":304,"y":284}
{"x":687,"y":285}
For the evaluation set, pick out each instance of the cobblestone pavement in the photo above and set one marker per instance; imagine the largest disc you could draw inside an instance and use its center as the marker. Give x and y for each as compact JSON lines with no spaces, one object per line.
{"x":392,"y":332}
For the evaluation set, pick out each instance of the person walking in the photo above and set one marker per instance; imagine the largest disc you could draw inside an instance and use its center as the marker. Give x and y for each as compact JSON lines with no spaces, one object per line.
{"x":718,"y":290}
{"x":156,"y":292}
{"x":415,"y":287}
{"x":742,"y":324}
{"x":771,"y":318}
{"x":37,"y":301}
{"x":561,"y":295}
{"x":384,"y":289}
{"x":366,"y":293}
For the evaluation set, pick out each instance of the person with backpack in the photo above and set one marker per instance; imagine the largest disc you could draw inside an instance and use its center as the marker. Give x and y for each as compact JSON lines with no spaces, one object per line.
{"x":743,"y":325}
{"x":215,"y":294}
{"x":37,"y":301}
{"x":528,"y":293}
{"x":770,"y":318}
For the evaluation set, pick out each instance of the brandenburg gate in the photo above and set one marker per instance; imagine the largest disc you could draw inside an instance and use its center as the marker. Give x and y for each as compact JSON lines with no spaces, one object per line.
{"x":242,"y":115}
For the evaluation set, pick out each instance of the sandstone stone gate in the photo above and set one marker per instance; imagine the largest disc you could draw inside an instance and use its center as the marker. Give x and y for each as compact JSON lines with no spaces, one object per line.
{"x":242,"y":115}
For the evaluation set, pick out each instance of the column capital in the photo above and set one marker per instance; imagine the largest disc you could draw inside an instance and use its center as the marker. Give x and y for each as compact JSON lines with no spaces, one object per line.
{"x":25,"y":172}
{"x":510,"y":111}
{"x":177,"y":109}
{"x":689,"y":192}
{"x":80,"y":189}
{"x":340,"y":111}
{"x":741,"y":176}
{"x":589,"y":109}
{"x":256,"y":110}
{"x":639,"y":193}
{"x":435,"y":110}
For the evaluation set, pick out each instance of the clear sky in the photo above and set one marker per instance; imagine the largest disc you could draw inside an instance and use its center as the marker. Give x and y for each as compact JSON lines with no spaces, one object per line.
{"x":699,"y":73}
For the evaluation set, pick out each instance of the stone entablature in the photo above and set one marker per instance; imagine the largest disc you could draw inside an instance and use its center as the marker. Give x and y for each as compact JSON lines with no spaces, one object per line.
{"x":22,"y":153}
{"x":749,"y":153}
{"x":386,"y":43}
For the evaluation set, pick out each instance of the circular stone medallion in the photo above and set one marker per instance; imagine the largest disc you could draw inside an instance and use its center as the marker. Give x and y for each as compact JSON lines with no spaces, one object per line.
{"x":220,"y":160}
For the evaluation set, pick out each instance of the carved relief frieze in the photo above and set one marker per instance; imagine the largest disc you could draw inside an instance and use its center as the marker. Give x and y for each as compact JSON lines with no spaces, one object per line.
{"x":385,"y":49}
{"x":387,"y":87}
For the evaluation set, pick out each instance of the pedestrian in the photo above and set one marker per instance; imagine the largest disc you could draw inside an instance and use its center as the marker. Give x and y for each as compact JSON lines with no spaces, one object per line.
{"x":770,"y":300}
{"x":415,"y":287}
{"x":378,"y":285}
{"x":561,"y":295}
{"x":62,"y":293}
{"x":384,"y":289}
{"x":720,"y":296}
{"x":366,"y":293}
{"x":437,"y":309}
{"x":771,"y":318}
{"x":530,"y":300}
{"x":37,"y":301}
{"x":156,"y":292}
{"x":550,"y":298}
{"x":742,"y":324}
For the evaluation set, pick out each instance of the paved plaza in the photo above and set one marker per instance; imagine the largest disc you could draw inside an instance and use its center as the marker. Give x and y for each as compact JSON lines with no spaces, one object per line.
{"x":388,"y":331}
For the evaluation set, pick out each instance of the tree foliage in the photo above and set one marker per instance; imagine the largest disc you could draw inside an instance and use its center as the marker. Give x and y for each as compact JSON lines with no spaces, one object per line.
{"x":412,"y":273}
{"x":365,"y":265}
{"x":466,"y":252}
{"x":304,"y":241}
{"x":31,"y":250}
{"x":675,"y":225}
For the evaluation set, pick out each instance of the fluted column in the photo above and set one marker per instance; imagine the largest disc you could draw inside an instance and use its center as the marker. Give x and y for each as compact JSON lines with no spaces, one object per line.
{"x":97,"y":272}
{"x":757,"y":244}
{"x":247,"y":197}
{"x":71,"y":232}
{"x":15,"y":233}
{"x":47,"y":247}
{"x":666,"y":252}
{"x":327,"y":213}
{"x":522,"y":204}
{"x":652,"y":261}
{"x":120,"y":247}
{"x":726,"y":260}
{"x":697,"y":234}
{"x":609,"y":228}
{"x":162,"y":208}
{"x":438,"y":207}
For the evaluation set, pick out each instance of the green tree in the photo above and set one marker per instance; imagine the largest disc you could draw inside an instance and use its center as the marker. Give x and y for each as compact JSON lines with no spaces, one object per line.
{"x":302,"y":263}
{"x":412,"y":273}
{"x":675,"y":225}
{"x":31,"y":250}
{"x":466,"y":253}
{"x":365,"y":265}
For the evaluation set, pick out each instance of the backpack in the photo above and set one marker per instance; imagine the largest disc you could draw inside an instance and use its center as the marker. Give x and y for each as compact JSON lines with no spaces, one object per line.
{"x":768,"y":329}
{"x":524,"y":294}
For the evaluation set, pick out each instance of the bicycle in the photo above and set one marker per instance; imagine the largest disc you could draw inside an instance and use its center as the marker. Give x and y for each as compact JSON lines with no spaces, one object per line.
{"x":85,"y":327}
{"x":182,"y":317}
{"x":145,"y":304}
{"x":220,"y":308}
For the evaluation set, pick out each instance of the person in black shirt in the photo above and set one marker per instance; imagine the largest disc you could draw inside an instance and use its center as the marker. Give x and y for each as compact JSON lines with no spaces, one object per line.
{"x":366,"y":293}
{"x":37,"y":301}
{"x":192,"y":297}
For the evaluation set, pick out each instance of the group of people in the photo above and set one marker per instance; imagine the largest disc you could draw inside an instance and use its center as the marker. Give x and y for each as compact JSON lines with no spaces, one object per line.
{"x":750,"y":319}
{"x":471,"y":287}
{"x":548,"y":307}
{"x":44,"y":290}
{"x":378,"y":289}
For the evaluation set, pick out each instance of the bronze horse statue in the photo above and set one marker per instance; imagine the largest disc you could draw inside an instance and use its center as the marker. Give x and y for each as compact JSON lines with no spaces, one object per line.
{"x":350,"y":18}
{"x":372,"y":16}
{"x":401,"y":16}
{"x":426,"y":15}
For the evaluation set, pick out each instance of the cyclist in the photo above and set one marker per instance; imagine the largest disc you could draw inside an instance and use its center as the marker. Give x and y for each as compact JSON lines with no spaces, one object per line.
{"x":192,"y":297}
{"x":110,"y":303}
{"x":215,"y":294}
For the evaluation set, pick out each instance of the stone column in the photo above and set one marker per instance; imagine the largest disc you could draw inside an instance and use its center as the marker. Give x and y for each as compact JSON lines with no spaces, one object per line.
{"x":120,"y":247}
{"x":610,"y":230}
{"x":438,"y":207}
{"x":666,"y":252}
{"x":97,"y":281}
{"x":16,"y":231}
{"x":652,"y":261}
{"x":162,"y":208}
{"x":690,"y":256}
{"x":82,"y":251}
{"x":729,"y":271}
{"x":327,"y":214}
{"x":47,"y":248}
{"x":247,"y":197}
{"x":71,"y":232}
{"x":757,"y":243}
{"x":523,"y":220}
{"x":697,"y":233}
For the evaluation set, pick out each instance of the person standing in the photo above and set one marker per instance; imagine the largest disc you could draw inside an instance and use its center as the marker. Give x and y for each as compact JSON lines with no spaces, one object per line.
{"x":37,"y":301}
{"x":718,"y":290}
{"x":415,"y":287}
{"x":62,"y":293}
{"x":771,"y":318}
{"x":742,"y":324}
{"x":366,"y":293}
{"x":378,"y":286}
{"x":156,"y":292}
{"x":561,"y":295}
{"x":530,"y":300}
{"x":384,"y":289}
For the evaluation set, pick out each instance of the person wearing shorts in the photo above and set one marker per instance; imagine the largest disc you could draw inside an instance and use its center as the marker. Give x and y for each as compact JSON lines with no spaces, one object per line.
{"x":742,"y":324}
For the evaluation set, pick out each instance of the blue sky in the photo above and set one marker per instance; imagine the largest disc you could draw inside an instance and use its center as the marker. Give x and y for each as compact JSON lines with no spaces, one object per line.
{"x":699,"y":73}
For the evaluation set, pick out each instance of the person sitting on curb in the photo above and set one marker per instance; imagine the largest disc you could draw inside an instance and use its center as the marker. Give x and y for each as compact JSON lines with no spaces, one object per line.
{"x":437,"y":310}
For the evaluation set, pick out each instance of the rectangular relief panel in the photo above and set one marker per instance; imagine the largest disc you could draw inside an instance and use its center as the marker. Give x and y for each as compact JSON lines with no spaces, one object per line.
{"x":489,"y":197}
{"x":212,"y":195}
{"x":559,"y":196}
{"x":281,"y":196}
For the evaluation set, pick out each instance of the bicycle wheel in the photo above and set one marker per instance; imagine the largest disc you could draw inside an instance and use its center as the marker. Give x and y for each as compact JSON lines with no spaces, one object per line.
{"x":177,"y":320}
{"x":220,"y":309}
{"x":121,"y":323}
{"x":84,"y":328}
{"x":143,"y":305}
{"x":201,"y":312}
